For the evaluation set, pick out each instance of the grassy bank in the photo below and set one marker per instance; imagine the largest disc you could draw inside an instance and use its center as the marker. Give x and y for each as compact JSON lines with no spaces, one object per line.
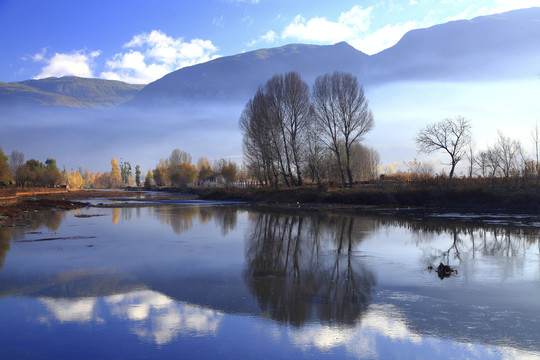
{"x":472,"y":195}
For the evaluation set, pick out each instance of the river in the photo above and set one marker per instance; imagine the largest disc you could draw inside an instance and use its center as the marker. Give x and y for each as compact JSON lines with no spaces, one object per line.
{"x":196,"y":280}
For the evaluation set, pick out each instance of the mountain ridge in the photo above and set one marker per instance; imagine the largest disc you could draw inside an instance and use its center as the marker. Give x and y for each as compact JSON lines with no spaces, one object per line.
{"x":68,"y":91}
{"x":485,"y":47}
{"x":491,"y":46}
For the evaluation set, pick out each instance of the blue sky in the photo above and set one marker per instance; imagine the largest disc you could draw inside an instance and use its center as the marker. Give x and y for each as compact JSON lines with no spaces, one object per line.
{"x":140,"y":41}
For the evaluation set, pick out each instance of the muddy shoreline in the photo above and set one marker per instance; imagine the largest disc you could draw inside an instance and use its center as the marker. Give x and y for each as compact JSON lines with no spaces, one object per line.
{"x":14,"y":204}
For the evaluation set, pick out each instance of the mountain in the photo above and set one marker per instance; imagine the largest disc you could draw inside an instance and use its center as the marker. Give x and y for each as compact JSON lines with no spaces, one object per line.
{"x":495,"y":46}
{"x":499,"y":45}
{"x":238,"y":76}
{"x":69,"y":91}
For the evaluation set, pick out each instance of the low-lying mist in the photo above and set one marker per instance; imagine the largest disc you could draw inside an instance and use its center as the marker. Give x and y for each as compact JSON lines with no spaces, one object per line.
{"x":89,"y":138}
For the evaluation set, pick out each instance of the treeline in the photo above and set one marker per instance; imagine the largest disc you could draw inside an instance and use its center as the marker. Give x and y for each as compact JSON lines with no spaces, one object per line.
{"x":178,"y":171}
{"x":505,"y":158}
{"x":291,"y":134}
{"x":33,"y":173}
{"x":173,"y":171}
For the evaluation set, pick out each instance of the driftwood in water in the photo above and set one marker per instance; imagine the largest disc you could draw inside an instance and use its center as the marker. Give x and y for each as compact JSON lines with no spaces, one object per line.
{"x":443,"y":271}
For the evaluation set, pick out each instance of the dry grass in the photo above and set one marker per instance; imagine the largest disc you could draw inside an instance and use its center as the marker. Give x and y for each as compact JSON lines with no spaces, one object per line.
{"x":472,"y":194}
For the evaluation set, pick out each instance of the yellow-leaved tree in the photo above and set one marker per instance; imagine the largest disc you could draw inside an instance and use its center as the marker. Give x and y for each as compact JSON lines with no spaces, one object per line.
{"x":75,"y":180}
{"x":116,"y":177}
{"x":5,"y":173}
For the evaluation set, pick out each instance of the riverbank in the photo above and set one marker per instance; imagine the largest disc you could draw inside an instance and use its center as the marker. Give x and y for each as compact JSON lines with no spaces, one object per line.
{"x":15,"y":202}
{"x":408,"y":200}
{"x":478,"y":198}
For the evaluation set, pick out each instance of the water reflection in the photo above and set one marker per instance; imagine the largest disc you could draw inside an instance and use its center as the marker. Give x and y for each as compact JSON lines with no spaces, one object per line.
{"x":379,"y":321}
{"x":150,"y":315}
{"x":468,"y":242}
{"x":4,"y":245}
{"x":302,"y":267}
{"x":348,"y":285}
{"x":181,"y":219}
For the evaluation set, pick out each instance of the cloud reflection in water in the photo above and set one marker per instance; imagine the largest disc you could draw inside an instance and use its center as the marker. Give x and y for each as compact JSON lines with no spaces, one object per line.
{"x":149,"y":314}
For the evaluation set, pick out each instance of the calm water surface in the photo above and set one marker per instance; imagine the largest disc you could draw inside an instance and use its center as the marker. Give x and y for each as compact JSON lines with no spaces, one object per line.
{"x":213,"y":281}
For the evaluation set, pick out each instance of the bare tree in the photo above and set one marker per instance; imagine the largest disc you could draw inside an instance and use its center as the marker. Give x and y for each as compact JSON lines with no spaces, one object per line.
{"x":179,"y":157}
{"x":297,"y":111}
{"x":448,"y":135}
{"x":536,"y":141}
{"x":364,"y":162}
{"x":259,"y":150}
{"x":16,"y":160}
{"x":315,"y":153}
{"x":327,"y":117}
{"x":470,"y":155}
{"x":274,"y":125}
{"x":342,"y":112}
{"x":510,"y":155}
{"x":289,"y":109}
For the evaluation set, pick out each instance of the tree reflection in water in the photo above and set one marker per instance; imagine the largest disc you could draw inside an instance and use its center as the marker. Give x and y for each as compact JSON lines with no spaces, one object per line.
{"x":180,"y":219}
{"x":304,"y":267}
{"x":4,"y":245}
{"x":469,"y":241}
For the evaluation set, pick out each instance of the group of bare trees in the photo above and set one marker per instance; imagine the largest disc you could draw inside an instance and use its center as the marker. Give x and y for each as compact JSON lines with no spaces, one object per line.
{"x":290,"y":133}
{"x":505,"y":158}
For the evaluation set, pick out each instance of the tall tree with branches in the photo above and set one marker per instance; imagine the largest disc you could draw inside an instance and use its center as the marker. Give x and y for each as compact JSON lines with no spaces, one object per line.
{"x":341,"y":110}
{"x":449,"y":135}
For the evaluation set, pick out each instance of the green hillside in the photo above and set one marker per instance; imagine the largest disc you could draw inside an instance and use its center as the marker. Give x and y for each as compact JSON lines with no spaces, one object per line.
{"x":69,"y":91}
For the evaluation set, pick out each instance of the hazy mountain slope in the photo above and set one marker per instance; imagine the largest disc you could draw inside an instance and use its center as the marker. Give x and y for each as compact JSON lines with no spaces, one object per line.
{"x":235,"y":77}
{"x":498,"y":45}
{"x":17,"y":94}
{"x":68,"y":91}
{"x":488,"y":47}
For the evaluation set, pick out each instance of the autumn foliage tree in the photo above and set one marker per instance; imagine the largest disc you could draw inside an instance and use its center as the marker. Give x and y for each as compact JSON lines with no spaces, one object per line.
{"x":228,"y":170}
{"x":176,"y":170}
{"x":115,"y":175}
{"x":5,"y":172}
{"x":148,"y":180}
{"x":205,"y":169}
{"x":75,"y":179}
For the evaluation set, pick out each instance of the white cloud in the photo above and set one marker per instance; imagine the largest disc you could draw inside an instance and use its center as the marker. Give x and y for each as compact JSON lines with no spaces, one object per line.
{"x":158,"y":318}
{"x":39,"y":57}
{"x":357,"y":17}
{"x":352,"y":26}
{"x":68,"y":310}
{"x":77,"y":63}
{"x":270,"y":37}
{"x":316,"y":29}
{"x":153,"y":55}
{"x":508,"y":5}
{"x":319,"y":29}
{"x":383,"y":38}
